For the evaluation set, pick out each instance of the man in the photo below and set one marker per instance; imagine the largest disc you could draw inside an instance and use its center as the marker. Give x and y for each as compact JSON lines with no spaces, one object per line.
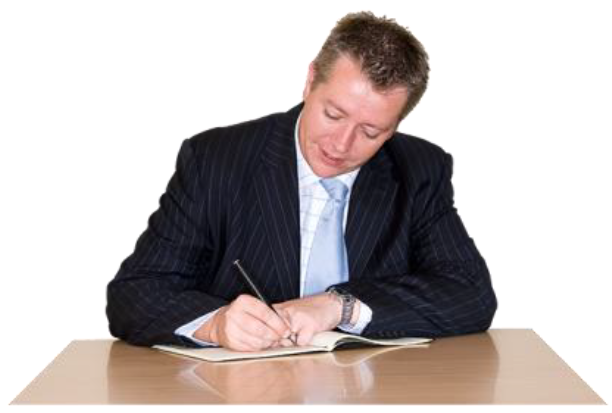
{"x":341,"y":221}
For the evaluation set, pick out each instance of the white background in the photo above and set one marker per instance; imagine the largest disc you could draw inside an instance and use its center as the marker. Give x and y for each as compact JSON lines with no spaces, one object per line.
{"x":96,"y":98}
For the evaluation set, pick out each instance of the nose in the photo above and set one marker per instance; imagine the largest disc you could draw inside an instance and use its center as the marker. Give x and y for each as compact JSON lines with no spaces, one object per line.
{"x":344,"y":139}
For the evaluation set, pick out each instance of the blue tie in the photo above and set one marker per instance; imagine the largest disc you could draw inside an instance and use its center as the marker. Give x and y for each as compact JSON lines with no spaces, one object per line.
{"x":327,"y":263}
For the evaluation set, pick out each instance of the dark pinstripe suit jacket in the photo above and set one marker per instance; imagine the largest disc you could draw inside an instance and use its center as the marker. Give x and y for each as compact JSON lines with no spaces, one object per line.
{"x":235,"y":195}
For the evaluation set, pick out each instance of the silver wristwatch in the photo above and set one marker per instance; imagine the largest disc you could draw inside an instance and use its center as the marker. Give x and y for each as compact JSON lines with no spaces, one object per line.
{"x":348,"y":303}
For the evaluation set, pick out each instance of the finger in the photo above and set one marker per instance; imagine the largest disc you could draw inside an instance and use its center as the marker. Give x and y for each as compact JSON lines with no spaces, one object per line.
{"x":279,"y":323}
{"x":251,"y":313}
{"x":285,"y":342}
{"x":295,"y":324}
{"x":255,"y":333}
{"x":247,"y":343}
{"x":304,"y":335}
{"x":256,"y":308}
{"x":257,"y":344}
{"x":285,"y":315}
{"x":234,"y":338}
{"x":241,"y":326}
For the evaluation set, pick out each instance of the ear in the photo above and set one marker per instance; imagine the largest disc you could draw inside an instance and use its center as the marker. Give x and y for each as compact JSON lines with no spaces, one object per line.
{"x":309,"y":80}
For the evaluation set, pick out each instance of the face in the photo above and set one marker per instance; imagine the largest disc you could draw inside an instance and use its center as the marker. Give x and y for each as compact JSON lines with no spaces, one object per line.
{"x":345,"y":121}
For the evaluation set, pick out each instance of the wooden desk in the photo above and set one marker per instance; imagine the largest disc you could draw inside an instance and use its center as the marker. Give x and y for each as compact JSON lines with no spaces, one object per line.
{"x":497,"y":367}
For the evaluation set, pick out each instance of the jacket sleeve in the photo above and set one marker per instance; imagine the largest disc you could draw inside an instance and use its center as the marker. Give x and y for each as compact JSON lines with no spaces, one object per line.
{"x":155,"y":290}
{"x":447,"y":290}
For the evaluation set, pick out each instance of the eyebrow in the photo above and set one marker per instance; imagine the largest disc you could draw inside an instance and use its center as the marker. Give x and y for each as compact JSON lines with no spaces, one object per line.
{"x":339,"y":109}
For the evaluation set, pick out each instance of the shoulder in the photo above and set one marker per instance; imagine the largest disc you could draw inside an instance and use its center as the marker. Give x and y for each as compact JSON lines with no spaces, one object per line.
{"x":246,"y":136}
{"x":411,"y":148}
{"x":234,"y":148}
{"x":415,"y":156}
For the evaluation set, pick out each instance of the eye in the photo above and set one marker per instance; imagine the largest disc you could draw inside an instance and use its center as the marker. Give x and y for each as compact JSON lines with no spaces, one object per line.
{"x":330,"y":116}
{"x":370,"y":135}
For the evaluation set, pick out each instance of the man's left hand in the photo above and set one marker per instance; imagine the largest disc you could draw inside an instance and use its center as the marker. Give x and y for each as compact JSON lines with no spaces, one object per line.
{"x":310,"y":315}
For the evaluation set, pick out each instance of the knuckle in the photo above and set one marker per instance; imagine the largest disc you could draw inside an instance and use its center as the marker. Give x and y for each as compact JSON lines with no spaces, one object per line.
{"x":232,"y":317}
{"x":256,"y":343}
{"x":267,"y":334}
{"x":257,"y":330}
{"x":277,"y":324}
{"x":242,"y":299}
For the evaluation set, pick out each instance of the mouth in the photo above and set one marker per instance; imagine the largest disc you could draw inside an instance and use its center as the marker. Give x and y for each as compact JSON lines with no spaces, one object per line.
{"x":330,"y":160}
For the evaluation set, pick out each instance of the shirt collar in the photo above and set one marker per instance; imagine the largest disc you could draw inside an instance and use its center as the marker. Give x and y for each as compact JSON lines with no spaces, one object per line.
{"x":306,"y":175}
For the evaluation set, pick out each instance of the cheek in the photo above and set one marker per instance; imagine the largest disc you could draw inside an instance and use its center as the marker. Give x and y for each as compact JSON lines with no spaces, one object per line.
{"x":319,"y":136}
{"x":364,"y":151}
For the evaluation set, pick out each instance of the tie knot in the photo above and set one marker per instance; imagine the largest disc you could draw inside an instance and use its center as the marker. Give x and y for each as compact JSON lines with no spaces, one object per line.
{"x":335,"y":188}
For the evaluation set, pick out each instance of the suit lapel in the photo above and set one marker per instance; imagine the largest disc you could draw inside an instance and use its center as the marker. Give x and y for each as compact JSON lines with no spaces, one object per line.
{"x":371,"y":201}
{"x":277,"y":194}
{"x":276,"y":185}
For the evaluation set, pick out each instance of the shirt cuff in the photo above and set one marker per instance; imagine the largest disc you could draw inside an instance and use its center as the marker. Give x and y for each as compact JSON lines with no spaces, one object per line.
{"x":365,"y":316}
{"x":189,"y":329}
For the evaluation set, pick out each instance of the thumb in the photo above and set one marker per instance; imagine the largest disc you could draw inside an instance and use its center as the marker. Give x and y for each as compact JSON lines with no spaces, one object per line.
{"x":286,"y":317}
{"x":284,"y":314}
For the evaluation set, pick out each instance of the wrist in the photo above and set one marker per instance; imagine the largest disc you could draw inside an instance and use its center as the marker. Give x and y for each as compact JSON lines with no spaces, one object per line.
{"x":356,"y":312}
{"x":335,"y":305}
{"x":346,"y":303}
{"x":208,"y":331}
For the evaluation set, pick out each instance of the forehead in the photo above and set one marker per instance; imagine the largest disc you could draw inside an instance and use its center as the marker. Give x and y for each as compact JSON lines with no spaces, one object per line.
{"x":348,"y":89}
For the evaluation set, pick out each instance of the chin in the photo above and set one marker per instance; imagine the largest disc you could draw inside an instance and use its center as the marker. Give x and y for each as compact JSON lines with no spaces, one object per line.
{"x":328,"y":172}
{"x":322,"y":171}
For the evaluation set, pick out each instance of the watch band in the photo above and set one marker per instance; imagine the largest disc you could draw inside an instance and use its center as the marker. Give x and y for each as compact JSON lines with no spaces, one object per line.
{"x":348,"y":304}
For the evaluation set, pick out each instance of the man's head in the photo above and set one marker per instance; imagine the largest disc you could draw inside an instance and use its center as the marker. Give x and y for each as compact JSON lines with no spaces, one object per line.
{"x":367,"y":77}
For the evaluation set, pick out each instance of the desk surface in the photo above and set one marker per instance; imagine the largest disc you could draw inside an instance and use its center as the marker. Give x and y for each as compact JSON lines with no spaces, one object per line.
{"x":497,"y":367}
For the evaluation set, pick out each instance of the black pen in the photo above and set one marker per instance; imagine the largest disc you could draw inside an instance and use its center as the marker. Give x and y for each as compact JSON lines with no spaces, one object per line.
{"x":259,"y":295}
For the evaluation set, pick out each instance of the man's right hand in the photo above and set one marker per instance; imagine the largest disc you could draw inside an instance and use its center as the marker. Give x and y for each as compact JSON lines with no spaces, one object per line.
{"x":246,"y":324}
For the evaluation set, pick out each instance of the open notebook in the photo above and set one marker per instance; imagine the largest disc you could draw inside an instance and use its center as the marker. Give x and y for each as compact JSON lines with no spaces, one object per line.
{"x":325,"y":341}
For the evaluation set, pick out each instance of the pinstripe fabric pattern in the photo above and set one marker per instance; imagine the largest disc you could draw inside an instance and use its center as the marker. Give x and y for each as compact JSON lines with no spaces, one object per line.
{"x":235,"y":195}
